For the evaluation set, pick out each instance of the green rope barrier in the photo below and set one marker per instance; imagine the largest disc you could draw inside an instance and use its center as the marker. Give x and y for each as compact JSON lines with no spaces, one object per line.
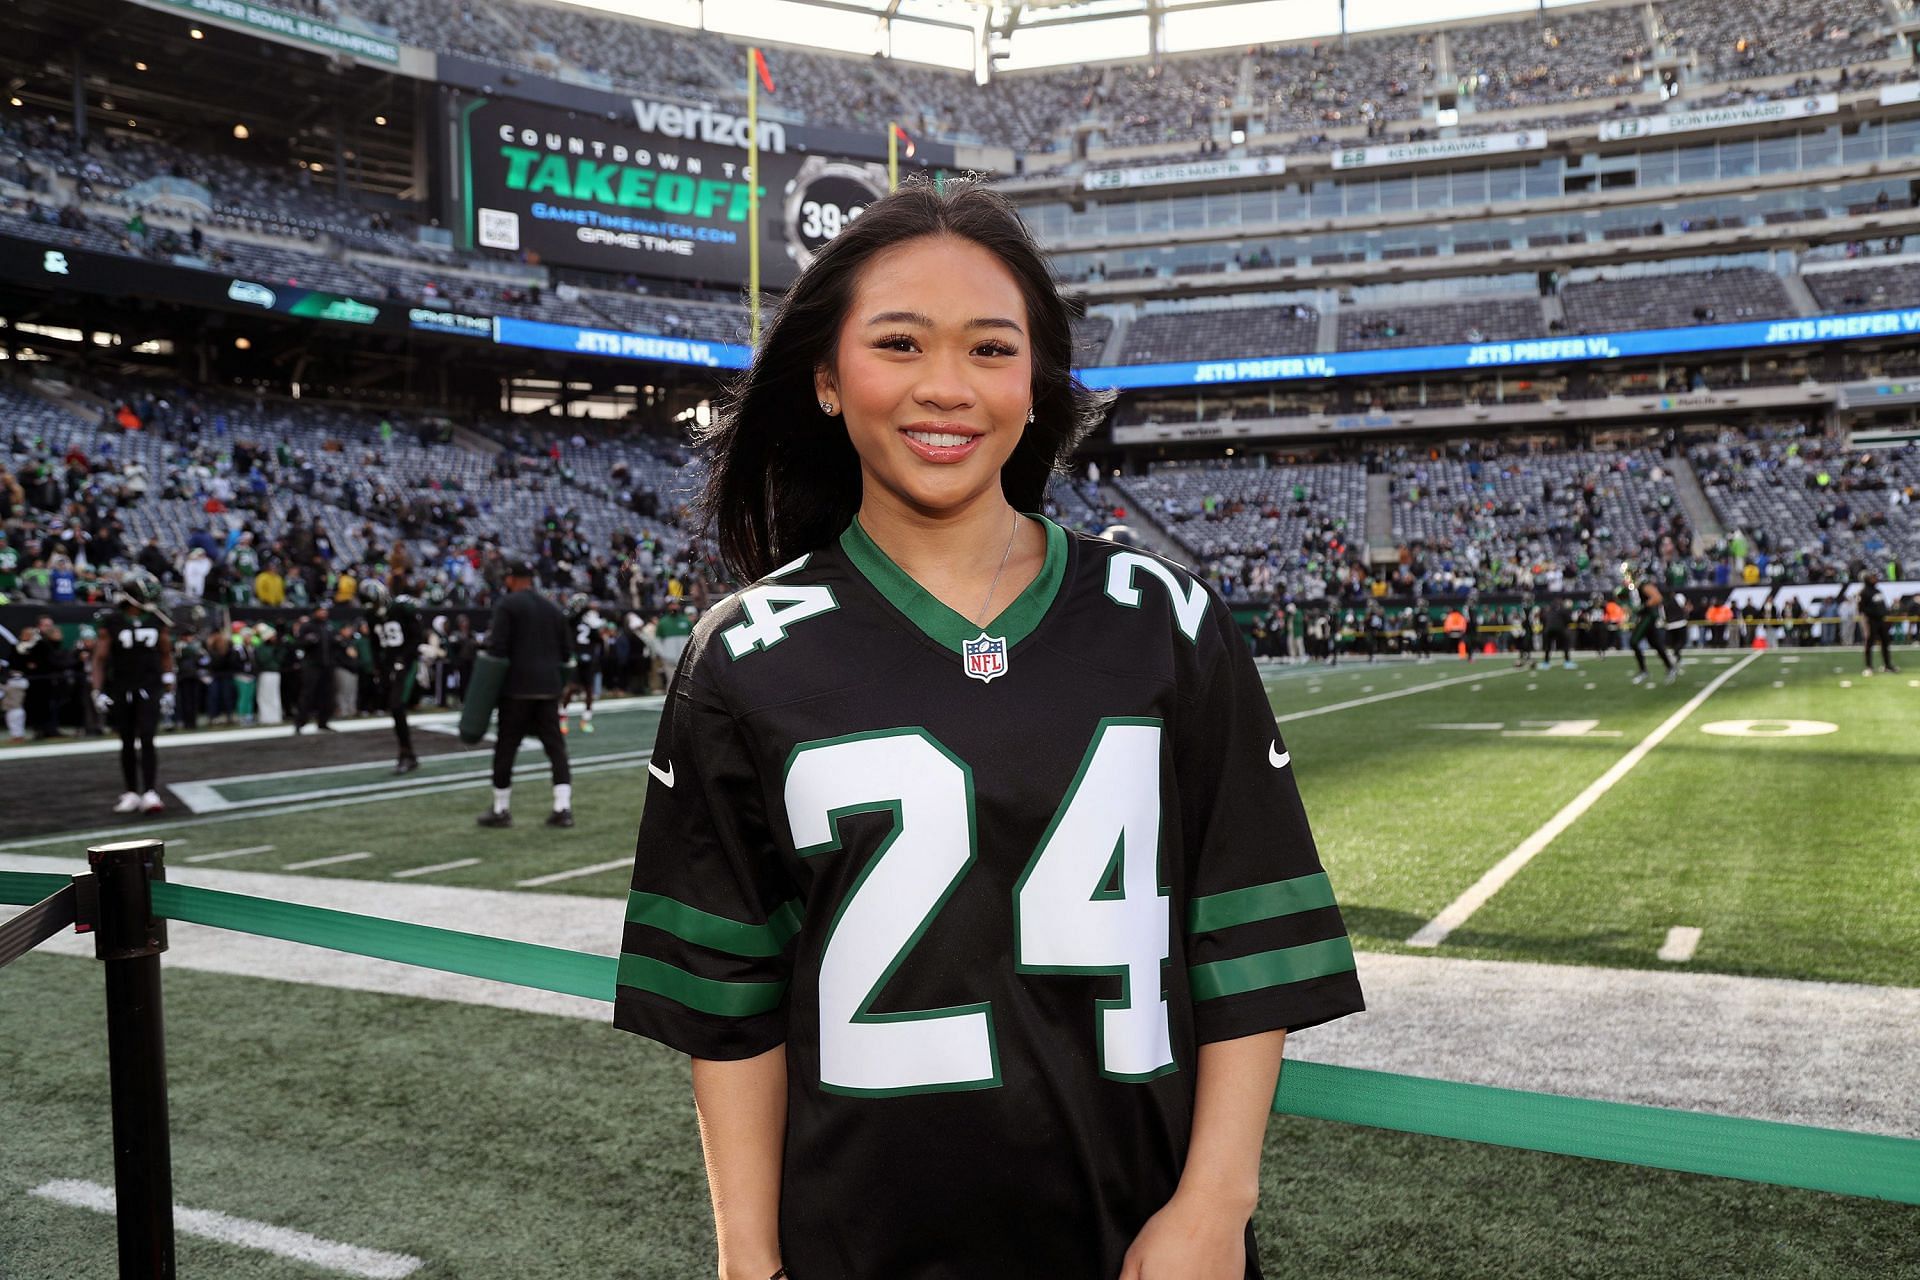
{"x":1876,"y":1165}
{"x":1858,"y":1164}
{"x":24,"y":888}
{"x":524,"y":964}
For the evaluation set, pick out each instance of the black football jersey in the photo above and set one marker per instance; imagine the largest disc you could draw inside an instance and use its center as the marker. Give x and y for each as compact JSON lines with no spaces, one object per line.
{"x":991,"y":887}
{"x":397,"y":636}
{"x":588,"y":642}
{"x":134,"y":654}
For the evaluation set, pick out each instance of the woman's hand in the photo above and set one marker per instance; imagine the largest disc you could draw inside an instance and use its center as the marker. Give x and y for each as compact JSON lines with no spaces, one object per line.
{"x":1189,"y":1239}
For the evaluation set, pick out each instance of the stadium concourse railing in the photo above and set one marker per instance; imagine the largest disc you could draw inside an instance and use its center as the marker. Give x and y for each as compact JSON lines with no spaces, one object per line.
{"x":125,"y":901}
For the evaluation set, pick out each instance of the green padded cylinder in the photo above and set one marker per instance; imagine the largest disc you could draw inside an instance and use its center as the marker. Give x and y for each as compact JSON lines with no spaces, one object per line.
{"x":476,"y":713}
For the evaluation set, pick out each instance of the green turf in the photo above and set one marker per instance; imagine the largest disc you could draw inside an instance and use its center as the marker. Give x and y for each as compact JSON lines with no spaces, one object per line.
{"x":492,"y":1143}
{"x":1786,"y":852}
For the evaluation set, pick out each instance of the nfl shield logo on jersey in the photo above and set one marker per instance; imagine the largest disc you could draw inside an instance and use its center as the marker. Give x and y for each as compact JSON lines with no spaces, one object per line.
{"x":986,"y":657}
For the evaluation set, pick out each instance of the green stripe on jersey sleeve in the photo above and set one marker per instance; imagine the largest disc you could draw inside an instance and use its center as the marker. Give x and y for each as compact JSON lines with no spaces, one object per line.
{"x":702,"y":995}
{"x":1270,"y":969}
{"x":1261,"y":902}
{"x":717,"y":933}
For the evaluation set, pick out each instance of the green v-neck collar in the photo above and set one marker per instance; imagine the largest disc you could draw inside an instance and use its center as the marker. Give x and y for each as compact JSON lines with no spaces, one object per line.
{"x":941,"y":624}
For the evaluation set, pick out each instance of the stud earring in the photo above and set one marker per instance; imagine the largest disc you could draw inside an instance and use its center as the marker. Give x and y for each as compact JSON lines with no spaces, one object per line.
{"x":826,"y":407}
{"x":1029,"y":415}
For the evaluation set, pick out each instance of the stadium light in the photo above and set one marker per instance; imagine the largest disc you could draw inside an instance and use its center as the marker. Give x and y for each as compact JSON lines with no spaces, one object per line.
{"x":197,"y":34}
{"x":380,"y":120}
{"x":243,"y":344}
{"x":241,"y":132}
{"x":14,"y":102}
{"x":139,"y":66}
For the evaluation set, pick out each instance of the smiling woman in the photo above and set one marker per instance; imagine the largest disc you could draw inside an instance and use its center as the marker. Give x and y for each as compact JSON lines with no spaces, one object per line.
{"x":972,"y":873}
{"x":788,"y":475}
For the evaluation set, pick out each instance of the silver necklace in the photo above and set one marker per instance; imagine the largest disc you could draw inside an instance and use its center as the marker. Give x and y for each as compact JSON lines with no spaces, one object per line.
{"x":1004,"y":555}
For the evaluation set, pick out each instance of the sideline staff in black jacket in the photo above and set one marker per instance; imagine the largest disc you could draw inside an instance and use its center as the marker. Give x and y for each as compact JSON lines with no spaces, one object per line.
{"x":529,"y":631}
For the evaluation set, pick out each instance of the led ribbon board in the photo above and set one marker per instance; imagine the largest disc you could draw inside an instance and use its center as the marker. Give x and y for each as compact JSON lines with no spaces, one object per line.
{"x":1520,"y":353}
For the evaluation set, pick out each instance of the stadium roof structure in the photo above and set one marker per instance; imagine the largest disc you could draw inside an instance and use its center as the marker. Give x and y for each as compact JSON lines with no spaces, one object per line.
{"x":1018,"y":34}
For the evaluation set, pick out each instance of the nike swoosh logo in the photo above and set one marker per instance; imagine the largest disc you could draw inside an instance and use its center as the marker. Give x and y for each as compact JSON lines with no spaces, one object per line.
{"x":666,"y":778}
{"x":1278,"y":758}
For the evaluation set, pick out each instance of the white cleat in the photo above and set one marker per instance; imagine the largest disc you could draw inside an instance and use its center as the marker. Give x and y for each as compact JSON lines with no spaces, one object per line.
{"x":152,"y":803}
{"x":128,"y":802}
{"x":1639,"y":677}
{"x":1673,"y":675}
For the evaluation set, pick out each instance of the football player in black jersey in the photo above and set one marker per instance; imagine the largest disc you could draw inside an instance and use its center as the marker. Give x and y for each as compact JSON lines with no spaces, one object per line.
{"x":133,"y":685}
{"x":1674,"y":609}
{"x":972,"y":872}
{"x":1649,"y":628}
{"x":1526,"y":627}
{"x":393,"y":628}
{"x":584,"y":625}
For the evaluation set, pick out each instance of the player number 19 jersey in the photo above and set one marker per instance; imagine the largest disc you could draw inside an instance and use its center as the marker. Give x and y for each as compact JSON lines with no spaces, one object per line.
{"x":397,"y":635}
{"x":990,"y":887}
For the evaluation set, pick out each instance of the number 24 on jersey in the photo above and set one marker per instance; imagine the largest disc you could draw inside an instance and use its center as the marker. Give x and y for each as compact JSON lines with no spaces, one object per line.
{"x":1066,"y":919}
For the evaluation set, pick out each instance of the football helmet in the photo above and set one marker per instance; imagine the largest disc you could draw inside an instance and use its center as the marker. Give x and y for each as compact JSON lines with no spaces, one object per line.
{"x":141,"y":591}
{"x":375,"y":598}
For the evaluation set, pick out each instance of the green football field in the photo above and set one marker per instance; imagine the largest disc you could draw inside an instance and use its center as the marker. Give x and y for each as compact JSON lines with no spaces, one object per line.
{"x":1765,"y":801}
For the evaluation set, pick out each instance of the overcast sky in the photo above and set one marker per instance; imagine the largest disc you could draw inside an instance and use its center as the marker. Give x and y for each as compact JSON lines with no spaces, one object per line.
{"x":1252,"y":22}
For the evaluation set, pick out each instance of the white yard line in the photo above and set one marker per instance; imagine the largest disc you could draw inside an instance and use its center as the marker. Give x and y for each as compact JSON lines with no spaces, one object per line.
{"x":1681,"y":941}
{"x":1461,"y":909}
{"x":284,"y":1242}
{"x":455,"y":865}
{"x":265,"y":733}
{"x":327,"y":862}
{"x":574,"y":874}
{"x":226,"y":853}
{"x":1391,"y":694}
{"x":536,"y":765}
{"x":309,"y":771}
{"x":204,"y":796}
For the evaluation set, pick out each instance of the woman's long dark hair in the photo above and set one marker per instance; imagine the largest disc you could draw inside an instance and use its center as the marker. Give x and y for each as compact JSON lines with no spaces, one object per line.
{"x":783,"y":478}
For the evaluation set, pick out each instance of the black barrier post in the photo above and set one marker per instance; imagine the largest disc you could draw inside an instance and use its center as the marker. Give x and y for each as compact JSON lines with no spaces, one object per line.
{"x":129,"y":938}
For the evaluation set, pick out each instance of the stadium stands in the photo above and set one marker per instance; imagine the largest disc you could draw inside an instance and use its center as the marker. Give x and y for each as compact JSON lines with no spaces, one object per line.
{"x":1667,"y":300}
{"x":672,"y":317}
{"x":1090,"y":334}
{"x":246,"y":193}
{"x":274,"y":264}
{"x":1496,"y":519}
{"x":1200,"y":334}
{"x":1074,"y":503}
{"x":1808,"y":503}
{"x":1260,"y":528}
{"x":1883,"y":284}
{"x":1376,"y":80}
{"x":1731,"y":39}
{"x":478,"y":294}
{"x":1360,"y":81}
{"x":1562,"y":57}
{"x":1173,"y":101}
{"x":1558,"y":520}
{"x":353,"y":485}
{"x":1482,"y":320}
